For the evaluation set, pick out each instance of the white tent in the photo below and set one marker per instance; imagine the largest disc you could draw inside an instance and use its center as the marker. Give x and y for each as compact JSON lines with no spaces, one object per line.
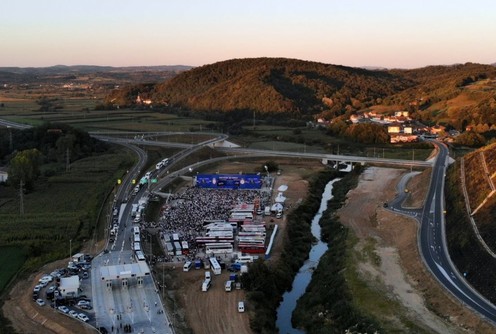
{"x":276,"y":207}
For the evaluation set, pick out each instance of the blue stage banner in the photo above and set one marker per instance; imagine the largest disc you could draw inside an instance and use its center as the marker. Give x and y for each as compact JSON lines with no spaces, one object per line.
{"x":229,"y":181}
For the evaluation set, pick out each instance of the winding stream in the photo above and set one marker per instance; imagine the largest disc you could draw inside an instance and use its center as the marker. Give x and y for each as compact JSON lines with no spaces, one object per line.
{"x":304,"y":275}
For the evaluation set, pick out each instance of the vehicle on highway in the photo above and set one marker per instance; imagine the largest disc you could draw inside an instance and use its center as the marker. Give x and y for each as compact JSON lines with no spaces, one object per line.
{"x":63,"y":309}
{"x":40,"y":302}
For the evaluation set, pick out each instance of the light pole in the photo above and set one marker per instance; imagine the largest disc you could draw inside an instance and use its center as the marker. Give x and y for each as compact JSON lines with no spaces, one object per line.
{"x":70,"y":249}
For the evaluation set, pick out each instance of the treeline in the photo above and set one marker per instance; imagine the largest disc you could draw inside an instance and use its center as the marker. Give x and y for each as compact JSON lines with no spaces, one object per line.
{"x":327,"y":306}
{"x":265,"y":285}
{"x":24,"y":151}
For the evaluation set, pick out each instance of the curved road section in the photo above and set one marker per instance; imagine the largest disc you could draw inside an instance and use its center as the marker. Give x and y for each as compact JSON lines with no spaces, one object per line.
{"x":433,"y":248}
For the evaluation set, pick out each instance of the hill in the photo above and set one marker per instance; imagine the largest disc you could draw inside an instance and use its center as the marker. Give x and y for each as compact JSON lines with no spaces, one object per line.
{"x":275,"y":85}
{"x":466,"y":251}
{"x":456,"y":95}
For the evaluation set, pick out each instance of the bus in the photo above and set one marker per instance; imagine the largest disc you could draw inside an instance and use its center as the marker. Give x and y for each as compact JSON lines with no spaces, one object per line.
{"x":137,"y":246}
{"x":218,"y":248}
{"x":136,"y":230}
{"x":215,"y":266}
{"x":140,"y":256}
{"x":137,"y":238}
{"x":185,"y":247}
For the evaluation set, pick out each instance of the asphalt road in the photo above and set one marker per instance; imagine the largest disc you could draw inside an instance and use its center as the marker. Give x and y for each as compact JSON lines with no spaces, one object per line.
{"x":432,"y":239}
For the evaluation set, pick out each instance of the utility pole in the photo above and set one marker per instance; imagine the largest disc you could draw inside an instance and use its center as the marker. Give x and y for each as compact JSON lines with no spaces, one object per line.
{"x":11,"y":143}
{"x":21,"y":197}
{"x":67,"y":160}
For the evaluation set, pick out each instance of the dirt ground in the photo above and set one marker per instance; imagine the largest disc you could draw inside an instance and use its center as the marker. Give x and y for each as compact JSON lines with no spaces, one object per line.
{"x":216,"y":311}
{"x":27,"y":317}
{"x":401,"y":272}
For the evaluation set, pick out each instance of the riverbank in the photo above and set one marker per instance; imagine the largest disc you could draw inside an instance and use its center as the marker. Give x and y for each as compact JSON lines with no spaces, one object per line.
{"x":380,"y":267}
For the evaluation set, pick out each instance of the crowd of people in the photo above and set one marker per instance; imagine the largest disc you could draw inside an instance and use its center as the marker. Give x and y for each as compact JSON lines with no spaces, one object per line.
{"x":186,"y":212}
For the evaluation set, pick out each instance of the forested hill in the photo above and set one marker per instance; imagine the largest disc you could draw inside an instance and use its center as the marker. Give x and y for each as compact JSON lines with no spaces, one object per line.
{"x":273,"y":85}
{"x":462,"y":94}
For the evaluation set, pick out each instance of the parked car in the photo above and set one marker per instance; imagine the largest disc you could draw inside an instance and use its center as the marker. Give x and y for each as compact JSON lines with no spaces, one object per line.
{"x":86,"y":307}
{"x":40,"y":302}
{"x":73,"y":313}
{"x":83,"y":317}
{"x":83,"y":302}
{"x":37,"y":288}
{"x":63,"y":309}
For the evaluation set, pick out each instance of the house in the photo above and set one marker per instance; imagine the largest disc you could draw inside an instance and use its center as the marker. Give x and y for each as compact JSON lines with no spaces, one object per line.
{"x":4,"y":175}
{"x":394,"y":128}
{"x":401,"y":114}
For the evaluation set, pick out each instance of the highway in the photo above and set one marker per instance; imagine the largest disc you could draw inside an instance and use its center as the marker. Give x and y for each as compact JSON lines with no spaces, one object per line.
{"x":431,"y":235}
{"x":432,"y":240}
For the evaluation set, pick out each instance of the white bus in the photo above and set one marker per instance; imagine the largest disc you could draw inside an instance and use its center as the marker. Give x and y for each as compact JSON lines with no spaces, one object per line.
{"x":137,"y":238}
{"x":140,"y":256}
{"x":218,"y":248}
{"x":137,"y":246}
{"x":215,"y":266}
{"x":136,"y":230}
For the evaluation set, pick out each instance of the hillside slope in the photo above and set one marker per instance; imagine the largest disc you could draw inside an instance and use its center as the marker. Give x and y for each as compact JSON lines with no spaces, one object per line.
{"x":471,"y":259}
{"x":274,"y":85}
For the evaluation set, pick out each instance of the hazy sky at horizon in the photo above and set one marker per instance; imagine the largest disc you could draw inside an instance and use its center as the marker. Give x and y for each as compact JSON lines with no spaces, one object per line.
{"x":388,"y":33}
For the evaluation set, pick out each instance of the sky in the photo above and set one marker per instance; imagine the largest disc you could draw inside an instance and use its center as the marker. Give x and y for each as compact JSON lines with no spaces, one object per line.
{"x":384,"y":33}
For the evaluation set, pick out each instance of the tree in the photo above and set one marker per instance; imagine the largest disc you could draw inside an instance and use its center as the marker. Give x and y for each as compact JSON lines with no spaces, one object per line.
{"x":25,"y":166}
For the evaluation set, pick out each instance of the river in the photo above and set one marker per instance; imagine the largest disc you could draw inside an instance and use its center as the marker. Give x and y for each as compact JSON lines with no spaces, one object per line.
{"x":304,"y":275}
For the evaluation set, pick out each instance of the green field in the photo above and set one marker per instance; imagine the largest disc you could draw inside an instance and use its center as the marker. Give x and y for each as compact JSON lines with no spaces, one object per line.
{"x":11,"y":260}
{"x":62,"y":207}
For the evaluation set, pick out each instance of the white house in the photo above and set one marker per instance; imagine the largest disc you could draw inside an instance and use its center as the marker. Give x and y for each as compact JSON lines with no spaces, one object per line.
{"x":4,"y":175}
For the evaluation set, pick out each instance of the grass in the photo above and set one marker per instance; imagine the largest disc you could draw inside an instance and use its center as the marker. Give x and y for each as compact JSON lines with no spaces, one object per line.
{"x":11,"y":260}
{"x":62,"y":207}
{"x":369,"y":297}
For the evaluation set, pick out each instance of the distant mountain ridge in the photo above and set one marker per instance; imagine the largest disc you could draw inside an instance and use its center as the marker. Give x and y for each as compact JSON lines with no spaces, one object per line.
{"x":61,"y":69}
{"x":65,"y":74}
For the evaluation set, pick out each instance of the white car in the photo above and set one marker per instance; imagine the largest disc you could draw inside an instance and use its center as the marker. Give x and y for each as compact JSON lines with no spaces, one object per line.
{"x":37,"y":288}
{"x":83,"y":317}
{"x":73,"y":313}
{"x":63,"y":309}
{"x":40,"y":302}
{"x":83,"y":302}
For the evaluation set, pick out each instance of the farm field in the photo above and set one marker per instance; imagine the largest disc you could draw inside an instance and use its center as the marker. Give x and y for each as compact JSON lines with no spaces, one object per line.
{"x":11,"y":260}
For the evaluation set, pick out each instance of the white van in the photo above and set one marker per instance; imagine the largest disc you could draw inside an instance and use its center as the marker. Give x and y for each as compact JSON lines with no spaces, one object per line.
{"x":228,"y":286}
{"x":187,"y":266}
{"x":206,"y":285}
{"x":207,"y":275}
{"x":241,"y":307}
{"x":159,"y":165}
